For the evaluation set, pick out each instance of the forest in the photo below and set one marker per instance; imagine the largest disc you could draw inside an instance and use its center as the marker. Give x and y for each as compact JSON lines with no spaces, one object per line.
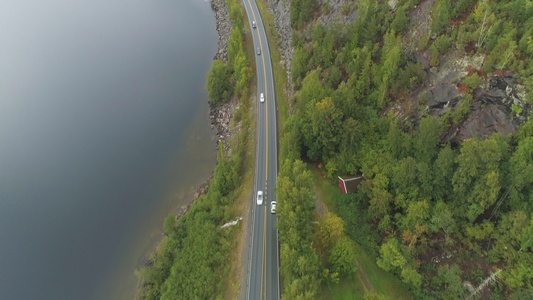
{"x":450,"y":218}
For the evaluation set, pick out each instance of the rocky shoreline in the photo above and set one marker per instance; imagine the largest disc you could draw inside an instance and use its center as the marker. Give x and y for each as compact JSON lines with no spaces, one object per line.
{"x":220,"y":116}
{"x":223,"y":25}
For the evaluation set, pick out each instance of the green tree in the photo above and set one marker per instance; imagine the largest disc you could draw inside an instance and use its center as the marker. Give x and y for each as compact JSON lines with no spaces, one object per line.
{"x":521,"y":173}
{"x":414,"y":223}
{"x":449,"y":280}
{"x":235,"y":44}
{"x":362,"y":73}
{"x":170,"y":224}
{"x":391,"y":255}
{"x":295,"y":211}
{"x":473,"y":81}
{"x":218,"y":86}
{"x":503,"y":53}
{"x":331,"y":230}
{"x":442,"y":219}
{"x":391,"y":59}
{"x":394,"y":257}
{"x":477,"y":179}
{"x":522,"y":294}
{"x":299,"y":65}
{"x":514,"y":242}
{"x":312,"y":90}
{"x":380,"y":198}
{"x":301,"y":12}
{"x":427,"y":139}
{"x":411,"y":276}
{"x":410,"y":76}
{"x":400,"y":143}
{"x":242,"y":72}
{"x":404,"y":181}
{"x":323,"y":46}
{"x":226,"y":175}
{"x":401,"y":21}
{"x":373,"y":295}
{"x":462,"y":109}
{"x":305,"y":284}
{"x":342,"y":257}
{"x":441,"y":16}
{"x":326,"y":125}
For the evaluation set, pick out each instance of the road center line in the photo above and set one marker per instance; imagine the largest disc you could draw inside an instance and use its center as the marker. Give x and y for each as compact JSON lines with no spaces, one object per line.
{"x":266,"y":88}
{"x":263,"y":260}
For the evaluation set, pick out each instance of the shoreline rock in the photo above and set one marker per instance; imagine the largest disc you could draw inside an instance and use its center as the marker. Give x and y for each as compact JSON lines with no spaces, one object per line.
{"x":220,"y":115}
{"x":224,"y":26}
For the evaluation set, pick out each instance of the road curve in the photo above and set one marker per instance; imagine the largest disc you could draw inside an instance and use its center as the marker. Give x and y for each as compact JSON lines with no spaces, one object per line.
{"x":264,"y":263}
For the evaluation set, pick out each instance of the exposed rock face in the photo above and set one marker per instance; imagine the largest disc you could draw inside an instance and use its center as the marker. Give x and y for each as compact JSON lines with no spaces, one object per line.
{"x":442,"y":89}
{"x":498,"y":106}
{"x":420,"y":23}
{"x":337,"y":10}
{"x":282,"y":15}
{"x":492,"y":110}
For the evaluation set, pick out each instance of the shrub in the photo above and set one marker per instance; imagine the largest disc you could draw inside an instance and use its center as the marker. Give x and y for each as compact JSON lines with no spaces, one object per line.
{"x":472,"y":81}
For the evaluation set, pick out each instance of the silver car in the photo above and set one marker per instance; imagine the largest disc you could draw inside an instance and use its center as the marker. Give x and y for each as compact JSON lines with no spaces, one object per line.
{"x":273,"y":207}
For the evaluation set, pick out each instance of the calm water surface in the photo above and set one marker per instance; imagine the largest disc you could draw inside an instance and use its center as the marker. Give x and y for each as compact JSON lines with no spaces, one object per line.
{"x":104,"y":129}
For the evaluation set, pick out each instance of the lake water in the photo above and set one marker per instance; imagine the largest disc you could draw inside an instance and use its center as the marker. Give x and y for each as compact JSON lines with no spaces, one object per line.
{"x":104,"y":129}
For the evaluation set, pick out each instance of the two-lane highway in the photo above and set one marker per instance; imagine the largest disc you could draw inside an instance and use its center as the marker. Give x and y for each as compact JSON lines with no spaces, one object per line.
{"x":264,"y":263}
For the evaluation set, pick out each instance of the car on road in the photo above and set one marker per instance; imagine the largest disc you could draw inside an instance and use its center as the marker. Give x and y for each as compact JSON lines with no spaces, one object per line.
{"x":262,"y":98}
{"x":258,"y":51}
{"x":253,"y":24}
{"x":259,"y":197}
{"x":273,"y":207}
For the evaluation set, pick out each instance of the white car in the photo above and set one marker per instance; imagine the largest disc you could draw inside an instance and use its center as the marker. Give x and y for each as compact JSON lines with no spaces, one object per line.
{"x":262,"y":98}
{"x":259,"y":197}
{"x":273,"y":207}
{"x":253,"y":24}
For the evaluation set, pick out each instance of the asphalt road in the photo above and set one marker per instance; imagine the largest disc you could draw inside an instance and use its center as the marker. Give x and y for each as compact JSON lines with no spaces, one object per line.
{"x":264,"y":263}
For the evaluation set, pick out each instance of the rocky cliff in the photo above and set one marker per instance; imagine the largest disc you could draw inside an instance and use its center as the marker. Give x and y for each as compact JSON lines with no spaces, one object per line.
{"x":498,"y":105}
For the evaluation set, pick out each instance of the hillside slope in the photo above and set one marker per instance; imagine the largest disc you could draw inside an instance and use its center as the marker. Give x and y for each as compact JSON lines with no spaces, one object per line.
{"x":430,"y":101}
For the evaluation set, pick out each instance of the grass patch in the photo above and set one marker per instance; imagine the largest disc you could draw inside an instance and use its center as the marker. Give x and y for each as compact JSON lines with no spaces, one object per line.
{"x":344,"y":290}
{"x":352,"y":288}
